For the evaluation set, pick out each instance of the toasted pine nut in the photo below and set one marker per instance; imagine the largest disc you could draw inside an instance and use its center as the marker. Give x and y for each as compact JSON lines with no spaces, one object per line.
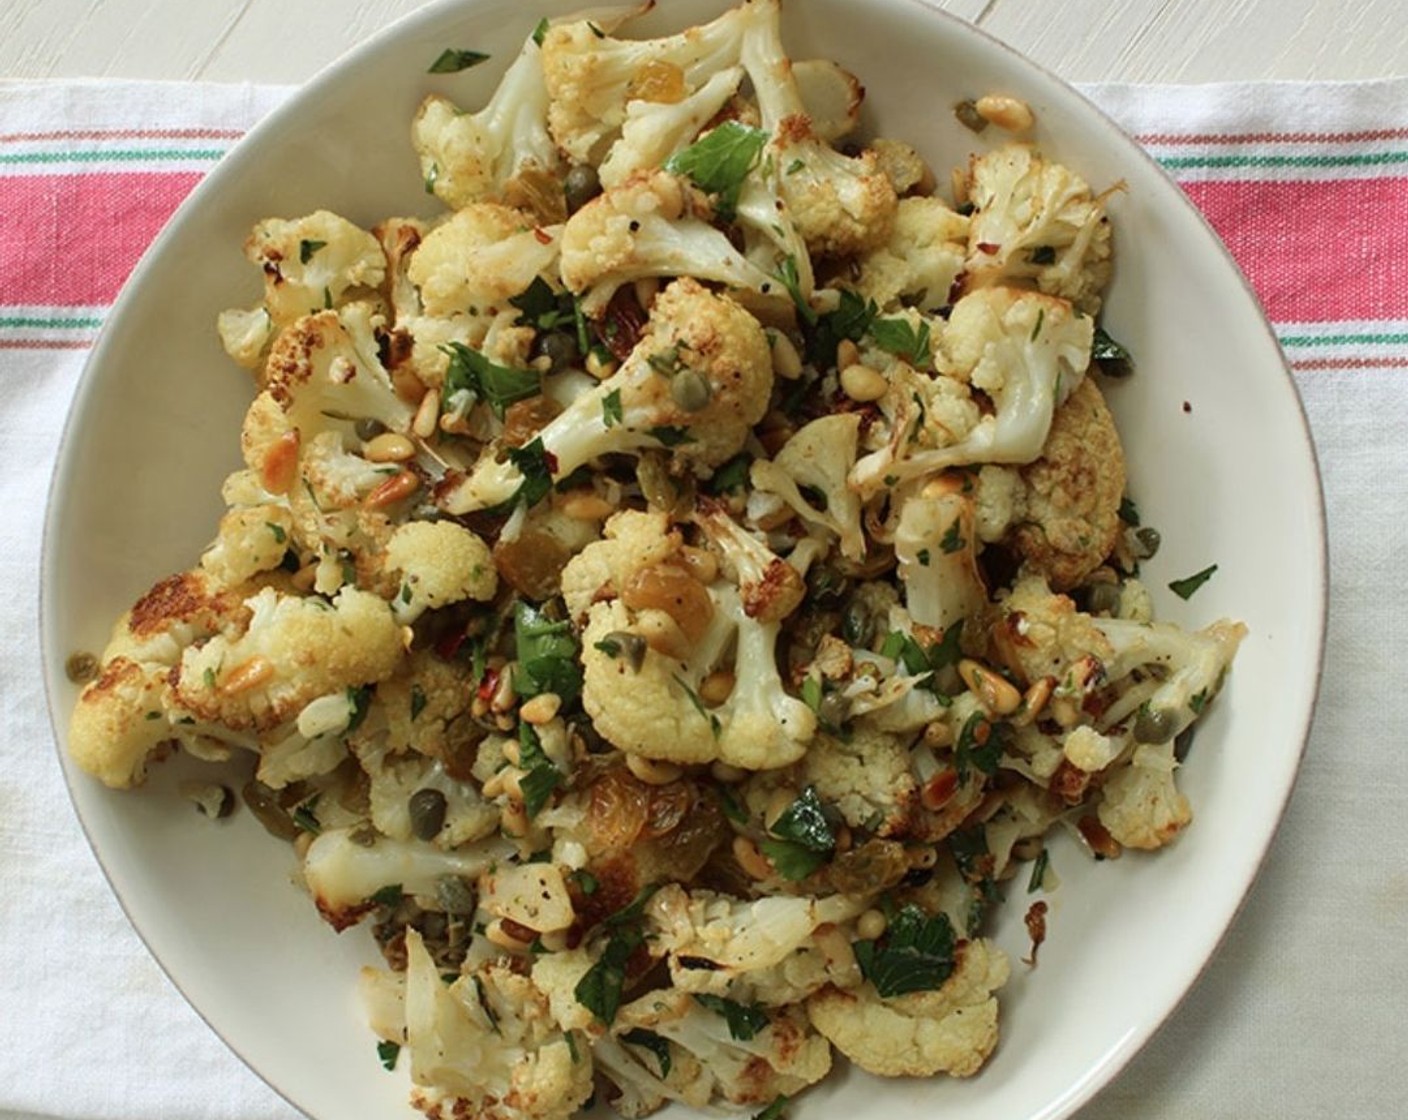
{"x":504,"y":696}
{"x":861,"y":383}
{"x":950,"y":482}
{"x":847,"y":353}
{"x":716,"y":687}
{"x":870,"y":925}
{"x":389,"y":447}
{"x":844,"y":839}
{"x":496,"y":933}
{"x":454,"y":424}
{"x":249,"y":674}
{"x":303,"y":578}
{"x":1009,"y":113}
{"x":754,"y":863}
{"x":554,"y":940}
{"x":662,"y":634}
{"x":513,"y":819}
{"x":702,"y":564}
{"x":786,"y":362}
{"x":1065,"y":711}
{"x":652,"y":771}
{"x":598,"y":367}
{"x":938,"y":734}
{"x":540,"y":709}
{"x":998,"y":695}
{"x":280,"y":465}
{"x":427,"y":417}
{"x":583,"y":505}
{"x":924,"y":857}
{"x":1034,"y":701}
{"x":400,"y":485}
{"x":958,"y":183}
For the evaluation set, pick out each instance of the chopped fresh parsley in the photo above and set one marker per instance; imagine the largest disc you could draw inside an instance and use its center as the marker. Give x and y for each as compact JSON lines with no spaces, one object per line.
{"x":656,"y":1044}
{"x":731,"y":475}
{"x":280,"y":536}
{"x":719,"y":162}
{"x":900,"y":338}
{"x":611,"y":408}
{"x":793,"y":861}
{"x":952,"y":540}
{"x":541,"y":776}
{"x":388,"y":1053}
{"x":744,"y":1020}
{"x":915,"y":954}
{"x":544,"y":309}
{"x":546,"y":655}
{"x":1039,"y":871}
{"x":586,"y":881}
{"x":733,"y":808}
{"x":714,"y":725}
{"x":388,"y":896}
{"x":1198,"y":701}
{"x":306,"y":249}
{"x":536,"y":466}
{"x":669,"y":435}
{"x":787,"y":276}
{"x":807,"y":822}
{"x":773,"y":1110}
{"x":359,"y":702}
{"x":1043,"y":254}
{"x":1114,"y":359}
{"x":418,"y":701}
{"x":452,"y":61}
{"x":599,"y":989}
{"x":916,"y":659}
{"x":1129,"y":512}
{"x":540,"y":32}
{"x":979,"y":746}
{"x":923,"y":557}
{"x":305,"y":818}
{"x":499,"y":385}
{"x":850,"y":321}
{"x":1040,"y":318}
{"x":1184,"y":588}
{"x":431,"y":177}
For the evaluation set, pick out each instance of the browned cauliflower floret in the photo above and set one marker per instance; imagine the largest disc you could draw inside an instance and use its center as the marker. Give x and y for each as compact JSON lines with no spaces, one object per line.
{"x":697,"y":381}
{"x":952,"y":1030}
{"x":921,"y":260}
{"x":119,"y":721}
{"x":867,"y":776}
{"x":1036,"y":223}
{"x":426,"y":708}
{"x":439,"y":563}
{"x":1072,"y":494}
{"x":481,"y":257}
{"x":251,"y":540}
{"x":293,"y":651}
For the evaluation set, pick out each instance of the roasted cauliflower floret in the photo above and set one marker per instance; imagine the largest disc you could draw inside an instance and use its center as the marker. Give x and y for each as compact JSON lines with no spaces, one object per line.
{"x":487,"y":1045}
{"x":867,"y":776}
{"x":1071,"y":503}
{"x":250,"y":540}
{"x":921,"y":261}
{"x":653,"y":224}
{"x":1036,"y":223}
{"x":484,"y":255}
{"x":439,"y":563}
{"x":119,"y":722}
{"x":293,"y":651}
{"x":952,"y":1030}
{"x":499,"y":154}
{"x":820,"y":457}
{"x":692,"y":335}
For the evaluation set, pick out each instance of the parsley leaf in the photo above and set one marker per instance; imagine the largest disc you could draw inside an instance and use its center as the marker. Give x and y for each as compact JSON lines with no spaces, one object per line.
{"x":611,"y":408}
{"x":979,"y":746}
{"x":744,"y":1020}
{"x":952,"y":540}
{"x":540,"y":32}
{"x":501,"y":386}
{"x":1114,"y":359}
{"x":388,"y":1052}
{"x":599,"y":989}
{"x":451,"y":61}
{"x":1184,"y":588}
{"x":794,"y":862}
{"x":714,"y":725}
{"x":900,"y":338}
{"x":418,"y":701}
{"x":788,"y":278}
{"x":1039,"y":871}
{"x":806,"y":822}
{"x":536,"y":466}
{"x":657,"y":1045}
{"x":851,"y":320}
{"x":388,"y":895}
{"x":306,"y":249}
{"x":720,"y":161}
{"x":542,"y":776}
{"x":547,"y":655}
{"x":773,"y":1110}
{"x":670,"y":435}
{"x":542,"y":308}
{"x":915,"y":954}
{"x":731,"y":475}
{"x":1129,"y":512}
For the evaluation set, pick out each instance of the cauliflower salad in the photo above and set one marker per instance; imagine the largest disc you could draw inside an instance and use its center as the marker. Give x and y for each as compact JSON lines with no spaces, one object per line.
{"x":669,"y":595}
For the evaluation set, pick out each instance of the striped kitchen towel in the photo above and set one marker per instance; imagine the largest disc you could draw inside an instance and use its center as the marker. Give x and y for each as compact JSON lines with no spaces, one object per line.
{"x":1308,"y":184}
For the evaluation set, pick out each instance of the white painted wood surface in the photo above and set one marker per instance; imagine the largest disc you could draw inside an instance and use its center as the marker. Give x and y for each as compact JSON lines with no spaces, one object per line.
{"x":1082,"y":40}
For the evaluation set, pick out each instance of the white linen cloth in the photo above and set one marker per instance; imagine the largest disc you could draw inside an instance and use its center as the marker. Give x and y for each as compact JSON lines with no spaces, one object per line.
{"x":1303,"y":1011}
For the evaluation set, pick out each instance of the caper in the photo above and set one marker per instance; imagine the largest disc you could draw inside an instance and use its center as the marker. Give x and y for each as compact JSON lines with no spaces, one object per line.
{"x":968,"y":116}
{"x":1155,"y":725}
{"x":1145,"y":543}
{"x":581,"y":185}
{"x":368,"y":428}
{"x":455,"y":895}
{"x":81,"y":668}
{"x":630,"y":647}
{"x":690,"y":390}
{"x":559,"y":348}
{"x":263,"y":802}
{"x":857,"y":626}
{"x":427,"y":810}
{"x":834,"y":709}
{"x":1103,"y":597}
